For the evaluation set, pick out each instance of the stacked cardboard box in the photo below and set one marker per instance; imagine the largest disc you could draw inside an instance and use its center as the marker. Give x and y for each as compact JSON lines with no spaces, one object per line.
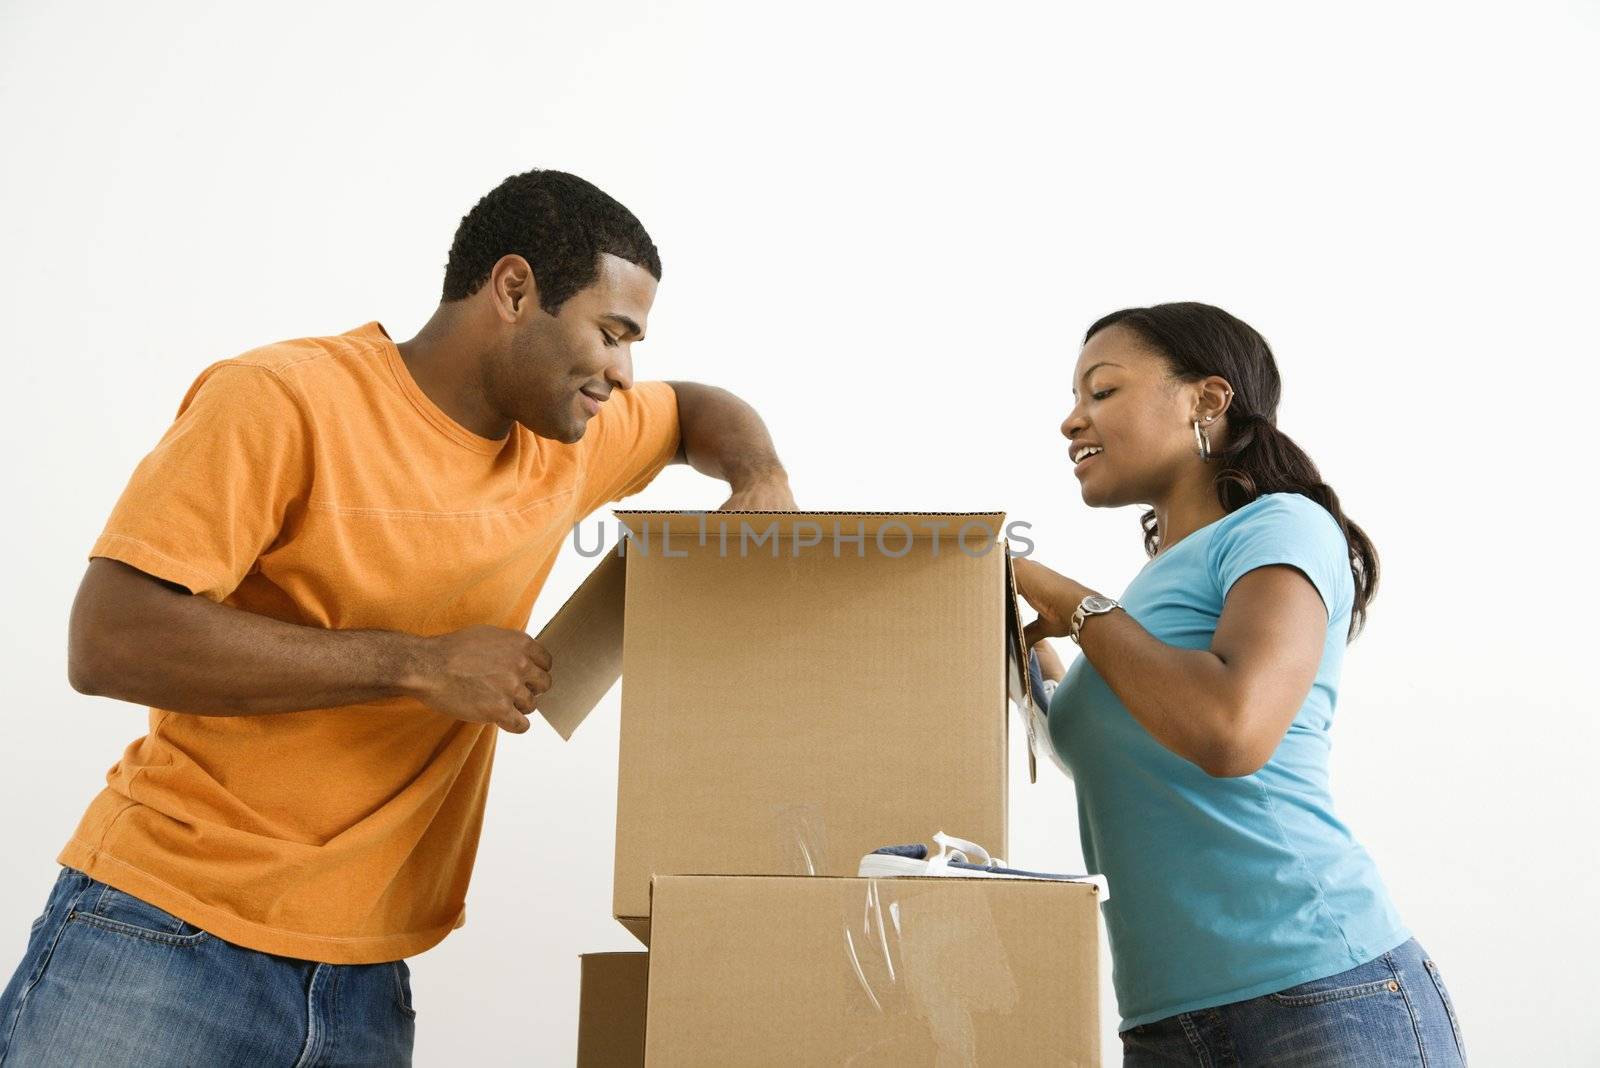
{"x":798,"y":690}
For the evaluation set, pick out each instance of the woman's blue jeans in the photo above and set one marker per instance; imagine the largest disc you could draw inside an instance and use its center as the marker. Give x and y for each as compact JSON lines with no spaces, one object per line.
{"x":1388,"y":1012}
{"x":111,"y":980}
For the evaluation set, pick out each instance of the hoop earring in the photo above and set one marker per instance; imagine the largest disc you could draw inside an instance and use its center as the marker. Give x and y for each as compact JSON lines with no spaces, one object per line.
{"x":1202,"y":442}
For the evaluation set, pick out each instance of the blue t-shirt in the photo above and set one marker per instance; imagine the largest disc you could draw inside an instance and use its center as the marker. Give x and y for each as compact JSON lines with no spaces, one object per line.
{"x":1222,"y":889}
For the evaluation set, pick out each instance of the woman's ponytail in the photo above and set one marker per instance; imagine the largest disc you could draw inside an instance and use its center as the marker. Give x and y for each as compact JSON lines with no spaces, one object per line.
{"x":1263,"y":459}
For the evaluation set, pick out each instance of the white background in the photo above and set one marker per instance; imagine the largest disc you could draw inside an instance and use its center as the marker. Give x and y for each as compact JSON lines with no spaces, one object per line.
{"x":887,"y":226}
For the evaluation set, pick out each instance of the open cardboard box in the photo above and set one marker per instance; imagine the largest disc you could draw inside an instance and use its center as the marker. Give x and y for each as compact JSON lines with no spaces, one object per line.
{"x":799,"y":688}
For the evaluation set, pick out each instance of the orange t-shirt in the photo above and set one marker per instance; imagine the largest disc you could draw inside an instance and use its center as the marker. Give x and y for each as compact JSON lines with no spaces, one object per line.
{"x":314,"y":482}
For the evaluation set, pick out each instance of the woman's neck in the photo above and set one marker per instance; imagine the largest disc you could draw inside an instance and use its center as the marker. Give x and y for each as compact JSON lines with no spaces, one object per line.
{"x":1186,"y":510}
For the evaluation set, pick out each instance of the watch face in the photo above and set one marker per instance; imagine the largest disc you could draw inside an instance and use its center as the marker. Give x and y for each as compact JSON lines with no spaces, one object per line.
{"x":1098,"y":604}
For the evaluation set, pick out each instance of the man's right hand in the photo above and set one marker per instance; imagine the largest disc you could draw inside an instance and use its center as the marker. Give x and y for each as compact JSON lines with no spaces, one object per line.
{"x":482,"y":674}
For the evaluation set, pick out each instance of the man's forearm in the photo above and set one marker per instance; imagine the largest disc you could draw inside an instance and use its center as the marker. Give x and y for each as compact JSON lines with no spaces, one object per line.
{"x":136,"y":640}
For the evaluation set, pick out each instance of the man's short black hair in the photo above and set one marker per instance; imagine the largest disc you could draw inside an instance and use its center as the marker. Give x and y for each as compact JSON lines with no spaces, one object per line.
{"x":556,"y":221}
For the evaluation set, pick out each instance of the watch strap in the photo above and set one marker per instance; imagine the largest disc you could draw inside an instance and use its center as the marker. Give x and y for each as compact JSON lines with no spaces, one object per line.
{"x":1083,"y":612}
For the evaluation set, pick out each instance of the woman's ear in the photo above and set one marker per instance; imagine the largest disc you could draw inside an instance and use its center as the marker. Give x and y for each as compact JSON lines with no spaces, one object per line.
{"x":1212,"y":399}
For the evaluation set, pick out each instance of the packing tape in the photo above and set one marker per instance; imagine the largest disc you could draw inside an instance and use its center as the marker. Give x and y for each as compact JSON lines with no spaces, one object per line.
{"x":927,"y":972}
{"x":804,"y":830}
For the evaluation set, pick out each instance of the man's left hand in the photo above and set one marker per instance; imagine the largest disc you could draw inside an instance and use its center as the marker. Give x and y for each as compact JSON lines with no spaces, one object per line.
{"x":767,"y":492}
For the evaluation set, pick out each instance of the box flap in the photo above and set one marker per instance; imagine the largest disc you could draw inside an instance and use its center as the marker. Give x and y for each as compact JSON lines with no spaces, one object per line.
{"x":584,"y":639}
{"x":1019,"y":684}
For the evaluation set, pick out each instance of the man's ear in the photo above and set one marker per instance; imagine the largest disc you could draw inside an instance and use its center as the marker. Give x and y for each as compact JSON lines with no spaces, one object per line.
{"x":512,"y":287}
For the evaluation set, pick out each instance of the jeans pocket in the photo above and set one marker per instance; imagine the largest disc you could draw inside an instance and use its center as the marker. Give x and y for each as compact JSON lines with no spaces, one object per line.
{"x":1364,"y":980}
{"x":1293,"y":996}
{"x":1449,"y":1006}
{"x":402,"y":980}
{"x":119,"y":912}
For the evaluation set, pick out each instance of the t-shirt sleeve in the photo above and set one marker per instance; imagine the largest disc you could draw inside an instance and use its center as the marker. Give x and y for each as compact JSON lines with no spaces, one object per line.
{"x":627,"y":444}
{"x":213,"y":494}
{"x":1286,"y":528}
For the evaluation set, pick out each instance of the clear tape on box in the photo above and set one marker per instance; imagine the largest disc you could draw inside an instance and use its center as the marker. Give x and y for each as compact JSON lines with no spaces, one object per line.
{"x":804,"y":829}
{"x":928,"y":980}
{"x":926,"y":973}
{"x":932,"y":975}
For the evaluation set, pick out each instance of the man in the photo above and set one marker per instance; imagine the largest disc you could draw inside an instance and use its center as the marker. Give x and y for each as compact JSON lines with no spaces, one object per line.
{"x":319,"y":581}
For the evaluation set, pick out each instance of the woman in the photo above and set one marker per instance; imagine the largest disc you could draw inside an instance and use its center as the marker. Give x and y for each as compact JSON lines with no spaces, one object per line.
{"x":1247,"y":925}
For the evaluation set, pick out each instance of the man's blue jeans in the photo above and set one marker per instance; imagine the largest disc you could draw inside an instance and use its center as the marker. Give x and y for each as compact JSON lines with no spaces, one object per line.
{"x":111,"y":980}
{"x":1388,"y":1012}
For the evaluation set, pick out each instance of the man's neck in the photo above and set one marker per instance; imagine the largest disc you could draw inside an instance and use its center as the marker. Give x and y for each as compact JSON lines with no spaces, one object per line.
{"x":444,"y":360}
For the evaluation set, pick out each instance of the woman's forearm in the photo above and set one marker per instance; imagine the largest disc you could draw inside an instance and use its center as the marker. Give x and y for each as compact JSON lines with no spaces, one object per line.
{"x":1183,"y":697}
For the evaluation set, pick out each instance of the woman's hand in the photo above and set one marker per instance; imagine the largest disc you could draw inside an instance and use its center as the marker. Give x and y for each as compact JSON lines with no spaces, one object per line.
{"x":1054,"y":596}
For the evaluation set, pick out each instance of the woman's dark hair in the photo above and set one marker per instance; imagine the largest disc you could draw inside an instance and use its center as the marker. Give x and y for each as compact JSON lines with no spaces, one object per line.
{"x":1199,"y":340}
{"x":559,"y":223}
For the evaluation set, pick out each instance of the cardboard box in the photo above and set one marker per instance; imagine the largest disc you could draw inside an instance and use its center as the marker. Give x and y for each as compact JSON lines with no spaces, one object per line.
{"x":799,"y":689}
{"x":793,"y":970}
{"x":611,"y":1009}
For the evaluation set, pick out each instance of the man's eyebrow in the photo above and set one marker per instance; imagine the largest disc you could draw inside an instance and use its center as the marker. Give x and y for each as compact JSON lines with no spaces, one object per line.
{"x":1102,"y":363}
{"x":627,"y":324}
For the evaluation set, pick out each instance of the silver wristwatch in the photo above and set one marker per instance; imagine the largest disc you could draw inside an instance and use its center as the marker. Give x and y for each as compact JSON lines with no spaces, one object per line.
{"x":1092,"y":605}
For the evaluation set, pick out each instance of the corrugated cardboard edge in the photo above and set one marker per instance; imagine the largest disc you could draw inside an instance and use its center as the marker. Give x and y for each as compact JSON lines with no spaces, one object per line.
{"x":584,"y":639}
{"x":844,"y":513}
{"x":646,"y":523}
